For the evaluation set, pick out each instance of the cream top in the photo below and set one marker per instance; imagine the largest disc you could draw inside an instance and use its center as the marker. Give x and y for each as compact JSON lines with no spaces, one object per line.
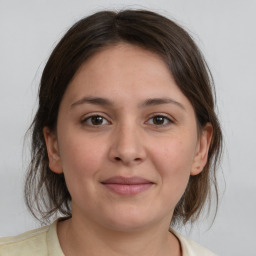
{"x":44,"y":241}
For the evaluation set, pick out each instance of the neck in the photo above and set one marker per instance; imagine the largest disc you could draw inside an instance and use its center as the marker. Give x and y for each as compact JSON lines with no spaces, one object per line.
{"x":80,"y":237}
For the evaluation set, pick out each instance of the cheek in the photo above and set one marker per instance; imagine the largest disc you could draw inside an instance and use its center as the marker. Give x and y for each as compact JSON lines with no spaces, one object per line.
{"x":173,"y":161}
{"x":81,"y":160}
{"x":174,"y":156}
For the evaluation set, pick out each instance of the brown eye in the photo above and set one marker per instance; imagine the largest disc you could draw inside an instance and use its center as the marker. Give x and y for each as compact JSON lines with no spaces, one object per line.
{"x":95,"y":120}
{"x":159,"y":120}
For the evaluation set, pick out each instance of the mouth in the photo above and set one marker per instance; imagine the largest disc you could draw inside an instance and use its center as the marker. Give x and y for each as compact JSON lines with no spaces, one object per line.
{"x":127,"y":185}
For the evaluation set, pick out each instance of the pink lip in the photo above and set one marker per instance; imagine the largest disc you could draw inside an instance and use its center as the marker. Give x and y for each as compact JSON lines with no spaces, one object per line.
{"x":127,"y":185}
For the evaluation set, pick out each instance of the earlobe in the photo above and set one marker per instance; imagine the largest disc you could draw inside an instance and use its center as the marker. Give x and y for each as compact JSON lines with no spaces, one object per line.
{"x":52,"y":150}
{"x":203,"y":146}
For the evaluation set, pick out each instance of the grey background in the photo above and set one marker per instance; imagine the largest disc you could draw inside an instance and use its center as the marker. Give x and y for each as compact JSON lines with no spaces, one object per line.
{"x":223,"y":29}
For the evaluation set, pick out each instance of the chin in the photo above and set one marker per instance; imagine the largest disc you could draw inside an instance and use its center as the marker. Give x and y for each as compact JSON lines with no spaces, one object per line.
{"x":127,"y":225}
{"x":130,"y":220}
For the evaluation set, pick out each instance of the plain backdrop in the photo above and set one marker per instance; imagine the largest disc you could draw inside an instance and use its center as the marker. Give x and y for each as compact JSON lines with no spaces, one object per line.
{"x":223,"y":29}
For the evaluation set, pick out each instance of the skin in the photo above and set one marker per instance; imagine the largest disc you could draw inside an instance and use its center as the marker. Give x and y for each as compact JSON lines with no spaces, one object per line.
{"x":133,"y":135}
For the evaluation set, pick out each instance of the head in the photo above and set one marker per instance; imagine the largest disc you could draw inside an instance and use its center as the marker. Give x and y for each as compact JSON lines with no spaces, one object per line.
{"x":87,"y":38}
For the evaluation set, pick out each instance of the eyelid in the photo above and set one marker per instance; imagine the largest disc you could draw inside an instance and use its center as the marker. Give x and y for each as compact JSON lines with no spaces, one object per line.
{"x":167,"y":117}
{"x":170,"y":119}
{"x":90,"y":115}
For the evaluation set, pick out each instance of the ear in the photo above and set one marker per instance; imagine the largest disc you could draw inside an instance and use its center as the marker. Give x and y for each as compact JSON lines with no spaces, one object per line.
{"x":203,"y":145}
{"x":52,"y":150}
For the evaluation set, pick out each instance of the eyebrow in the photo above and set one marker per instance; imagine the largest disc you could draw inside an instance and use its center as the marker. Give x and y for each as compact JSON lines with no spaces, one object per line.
{"x":160,"y":101}
{"x":94,"y":101}
{"x":105,"y":102}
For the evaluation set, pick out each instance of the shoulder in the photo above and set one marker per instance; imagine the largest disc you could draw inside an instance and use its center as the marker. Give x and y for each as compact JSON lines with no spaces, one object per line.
{"x":29,"y":243}
{"x":40,"y":242}
{"x":191,"y":248}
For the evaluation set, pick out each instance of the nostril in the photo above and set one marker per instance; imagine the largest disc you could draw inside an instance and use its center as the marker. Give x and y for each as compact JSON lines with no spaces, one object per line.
{"x":120,"y":159}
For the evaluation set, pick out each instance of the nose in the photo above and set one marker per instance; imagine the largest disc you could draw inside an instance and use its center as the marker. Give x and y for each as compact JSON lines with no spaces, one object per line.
{"x":127,"y":146}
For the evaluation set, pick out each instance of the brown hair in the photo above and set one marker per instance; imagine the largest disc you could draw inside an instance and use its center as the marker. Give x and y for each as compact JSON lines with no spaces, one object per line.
{"x":46,"y":192}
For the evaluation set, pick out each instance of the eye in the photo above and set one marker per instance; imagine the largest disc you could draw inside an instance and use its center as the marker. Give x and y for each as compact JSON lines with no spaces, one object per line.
{"x":159,"y":120}
{"x":95,"y":120}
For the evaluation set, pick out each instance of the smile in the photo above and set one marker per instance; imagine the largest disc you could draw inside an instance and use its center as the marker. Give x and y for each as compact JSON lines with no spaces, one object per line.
{"x":127,"y":186}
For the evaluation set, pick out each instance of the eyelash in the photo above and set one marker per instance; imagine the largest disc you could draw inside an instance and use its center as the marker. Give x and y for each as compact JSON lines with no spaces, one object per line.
{"x":85,"y":120}
{"x":167,"y":121}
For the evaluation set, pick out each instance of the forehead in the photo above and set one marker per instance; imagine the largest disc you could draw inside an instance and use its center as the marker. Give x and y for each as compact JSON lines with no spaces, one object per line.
{"x":124,"y":58}
{"x":115,"y":62}
{"x":124,"y":71}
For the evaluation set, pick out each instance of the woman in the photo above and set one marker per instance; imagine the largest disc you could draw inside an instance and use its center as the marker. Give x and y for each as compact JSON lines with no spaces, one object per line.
{"x":125,"y":141}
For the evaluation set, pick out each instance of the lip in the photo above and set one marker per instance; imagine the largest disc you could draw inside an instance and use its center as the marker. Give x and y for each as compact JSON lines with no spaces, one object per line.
{"x":127,"y":185}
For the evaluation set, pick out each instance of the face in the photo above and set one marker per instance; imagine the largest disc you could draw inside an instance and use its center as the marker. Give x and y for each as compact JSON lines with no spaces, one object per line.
{"x":126,"y":140}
